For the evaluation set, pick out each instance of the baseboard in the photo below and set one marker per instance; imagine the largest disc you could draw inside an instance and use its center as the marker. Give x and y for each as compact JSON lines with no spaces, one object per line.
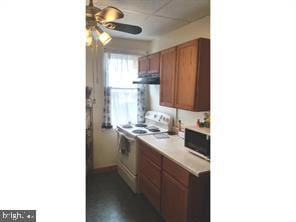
{"x":105,"y":169}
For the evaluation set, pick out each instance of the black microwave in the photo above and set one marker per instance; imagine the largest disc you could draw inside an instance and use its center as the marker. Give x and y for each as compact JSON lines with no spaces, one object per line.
{"x":197,"y":143}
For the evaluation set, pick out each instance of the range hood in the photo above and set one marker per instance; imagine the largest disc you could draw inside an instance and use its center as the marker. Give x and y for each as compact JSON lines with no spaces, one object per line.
{"x":153,"y":80}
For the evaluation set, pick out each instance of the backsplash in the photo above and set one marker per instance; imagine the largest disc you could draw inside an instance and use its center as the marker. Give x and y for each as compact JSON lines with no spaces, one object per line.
{"x":187,"y":117}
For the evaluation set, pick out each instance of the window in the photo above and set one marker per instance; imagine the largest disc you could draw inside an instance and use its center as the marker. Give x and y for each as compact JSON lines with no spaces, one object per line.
{"x":120,"y":71}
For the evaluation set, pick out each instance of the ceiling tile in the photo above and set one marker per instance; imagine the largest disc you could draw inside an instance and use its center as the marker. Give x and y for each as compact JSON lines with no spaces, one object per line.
{"x":133,"y":18}
{"x":154,"y":25}
{"x":189,"y":10}
{"x":156,"y":17}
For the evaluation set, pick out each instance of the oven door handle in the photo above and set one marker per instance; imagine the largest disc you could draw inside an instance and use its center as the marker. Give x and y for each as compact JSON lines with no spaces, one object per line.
{"x":129,"y":138}
{"x":125,"y":136}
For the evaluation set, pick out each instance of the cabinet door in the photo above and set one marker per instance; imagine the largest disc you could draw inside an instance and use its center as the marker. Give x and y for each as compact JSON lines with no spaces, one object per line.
{"x":150,"y":171}
{"x":150,"y":191}
{"x":153,"y":63}
{"x":174,"y":200}
{"x":150,"y":153}
{"x":149,"y":175}
{"x":143,"y":65}
{"x":203,"y":82}
{"x":186,"y":77}
{"x":167,"y":77}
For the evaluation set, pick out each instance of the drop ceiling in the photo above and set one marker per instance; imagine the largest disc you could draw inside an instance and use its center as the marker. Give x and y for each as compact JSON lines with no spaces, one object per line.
{"x":156,"y":17}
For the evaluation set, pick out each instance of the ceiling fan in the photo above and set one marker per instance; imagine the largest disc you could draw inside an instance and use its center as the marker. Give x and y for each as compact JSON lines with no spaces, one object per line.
{"x":96,"y":17}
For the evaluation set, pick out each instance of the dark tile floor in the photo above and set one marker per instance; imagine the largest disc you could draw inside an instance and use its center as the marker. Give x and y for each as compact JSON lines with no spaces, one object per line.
{"x":109,"y":199}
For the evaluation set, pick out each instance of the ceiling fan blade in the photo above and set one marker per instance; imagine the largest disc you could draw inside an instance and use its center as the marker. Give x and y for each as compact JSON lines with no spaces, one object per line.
{"x":132,"y":29}
{"x":109,"y":14}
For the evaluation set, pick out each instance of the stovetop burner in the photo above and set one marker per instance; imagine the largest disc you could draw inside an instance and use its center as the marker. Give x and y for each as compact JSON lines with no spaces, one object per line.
{"x":140,"y":125}
{"x":139,"y":131}
{"x":127,"y":126}
{"x":153,"y":129}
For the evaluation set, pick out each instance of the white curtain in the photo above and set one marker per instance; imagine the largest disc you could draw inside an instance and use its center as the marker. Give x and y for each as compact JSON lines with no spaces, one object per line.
{"x":120,"y":71}
{"x":123,"y":106}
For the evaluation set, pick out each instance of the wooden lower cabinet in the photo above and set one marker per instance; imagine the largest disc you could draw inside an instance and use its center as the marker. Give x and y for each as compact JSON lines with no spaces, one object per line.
{"x":174,"y":200}
{"x":151,"y":171}
{"x":178,"y":195}
{"x":150,"y":191}
{"x":149,"y":178}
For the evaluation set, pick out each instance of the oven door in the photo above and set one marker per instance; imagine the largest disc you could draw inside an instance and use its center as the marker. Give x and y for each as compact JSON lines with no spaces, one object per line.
{"x":128,"y":159}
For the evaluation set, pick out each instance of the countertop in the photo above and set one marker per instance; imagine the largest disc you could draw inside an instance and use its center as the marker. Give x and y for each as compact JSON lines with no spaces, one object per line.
{"x":173,"y":148}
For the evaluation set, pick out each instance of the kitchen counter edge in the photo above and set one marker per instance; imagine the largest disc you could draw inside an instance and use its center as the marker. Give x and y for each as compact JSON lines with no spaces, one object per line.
{"x":167,"y":155}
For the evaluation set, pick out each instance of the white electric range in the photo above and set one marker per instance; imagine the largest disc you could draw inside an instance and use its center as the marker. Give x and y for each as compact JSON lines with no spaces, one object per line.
{"x":155,"y":123}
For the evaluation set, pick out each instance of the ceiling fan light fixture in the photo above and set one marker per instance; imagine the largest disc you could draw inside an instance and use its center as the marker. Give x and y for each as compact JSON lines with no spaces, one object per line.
{"x":110,"y":25}
{"x":89,"y":41}
{"x":88,"y":37}
{"x":104,"y":37}
{"x":96,"y":18}
{"x":87,"y":32}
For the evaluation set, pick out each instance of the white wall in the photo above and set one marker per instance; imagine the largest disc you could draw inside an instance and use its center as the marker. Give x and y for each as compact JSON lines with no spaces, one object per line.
{"x":194,"y":30}
{"x":105,"y":150}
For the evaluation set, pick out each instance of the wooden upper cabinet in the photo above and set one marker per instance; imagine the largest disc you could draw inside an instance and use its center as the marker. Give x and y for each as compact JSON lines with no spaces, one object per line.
{"x":167,"y":77}
{"x":203,"y":90}
{"x":185,"y":76}
{"x":153,"y":63}
{"x":192,"y":90}
{"x":149,"y":64}
{"x":143,"y":65}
